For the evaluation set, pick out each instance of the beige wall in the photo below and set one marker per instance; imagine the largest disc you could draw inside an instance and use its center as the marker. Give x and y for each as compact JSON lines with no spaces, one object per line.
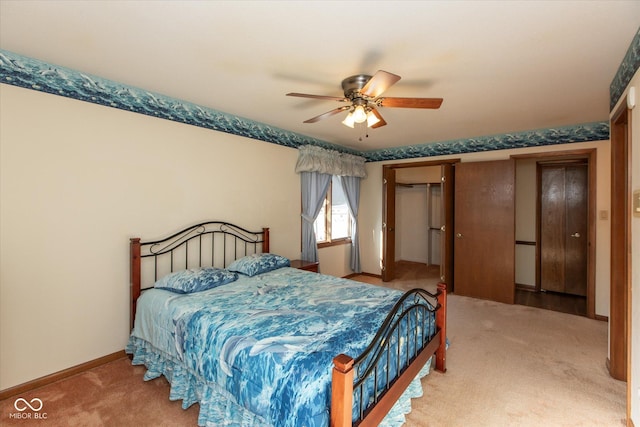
{"x":78,"y":180}
{"x":411,"y":224}
{"x":335,"y":260}
{"x":371,"y":210}
{"x":526,"y":196}
{"x":424,"y":174}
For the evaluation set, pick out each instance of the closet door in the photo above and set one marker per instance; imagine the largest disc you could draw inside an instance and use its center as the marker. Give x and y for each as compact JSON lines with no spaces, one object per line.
{"x":446,"y":237}
{"x":389,"y":224}
{"x":563,"y":228}
{"x":484,"y":242}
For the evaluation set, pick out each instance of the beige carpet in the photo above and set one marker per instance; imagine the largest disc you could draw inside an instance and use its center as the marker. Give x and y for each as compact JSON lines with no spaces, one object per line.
{"x":110,"y":395}
{"x":511,"y":365}
{"x":508,"y":365}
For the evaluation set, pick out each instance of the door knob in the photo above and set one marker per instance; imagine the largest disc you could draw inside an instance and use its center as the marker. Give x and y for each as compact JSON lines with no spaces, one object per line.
{"x":459,"y":235}
{"x":576,"y":235}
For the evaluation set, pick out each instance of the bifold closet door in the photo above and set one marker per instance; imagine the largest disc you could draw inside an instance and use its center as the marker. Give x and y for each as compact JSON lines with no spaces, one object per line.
{"x":447,"y":191}
{"x":389,"y":224}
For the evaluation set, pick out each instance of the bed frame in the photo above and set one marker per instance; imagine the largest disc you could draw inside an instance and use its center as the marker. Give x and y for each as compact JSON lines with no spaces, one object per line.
{"x":217,"y":244}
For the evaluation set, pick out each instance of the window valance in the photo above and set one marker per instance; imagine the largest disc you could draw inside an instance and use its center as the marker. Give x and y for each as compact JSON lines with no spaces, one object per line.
{"x":318,"y":159}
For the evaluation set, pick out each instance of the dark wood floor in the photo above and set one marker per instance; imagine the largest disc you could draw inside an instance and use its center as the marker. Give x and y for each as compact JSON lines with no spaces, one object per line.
{"x":555,"y":301}
{"x":412,"y":274}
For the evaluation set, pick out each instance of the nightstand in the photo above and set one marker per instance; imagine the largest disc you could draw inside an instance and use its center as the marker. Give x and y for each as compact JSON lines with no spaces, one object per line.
{"x":305,"y":265}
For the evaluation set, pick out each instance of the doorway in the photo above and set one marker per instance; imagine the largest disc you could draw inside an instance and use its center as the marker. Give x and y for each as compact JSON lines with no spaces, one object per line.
{"x":418,"y":220}
{"x":555,"y":231}
{"x":445,"y":205}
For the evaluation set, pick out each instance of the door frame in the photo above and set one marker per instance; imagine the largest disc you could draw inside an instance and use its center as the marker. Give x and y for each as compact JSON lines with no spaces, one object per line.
{"x":591,"y":156}
{"x":388,"y":217}
{"x":619,"y":361}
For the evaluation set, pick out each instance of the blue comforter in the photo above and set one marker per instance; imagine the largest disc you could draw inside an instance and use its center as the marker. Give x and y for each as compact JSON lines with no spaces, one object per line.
{"x":258,"y":351}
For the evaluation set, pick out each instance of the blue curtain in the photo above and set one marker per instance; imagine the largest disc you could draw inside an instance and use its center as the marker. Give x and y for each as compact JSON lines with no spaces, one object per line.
{"x":314,"y":188}
{"x":351,"y":187}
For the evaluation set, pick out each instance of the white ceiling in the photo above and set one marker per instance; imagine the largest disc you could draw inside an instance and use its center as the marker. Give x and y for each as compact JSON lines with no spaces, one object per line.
{"x":501,"y":67}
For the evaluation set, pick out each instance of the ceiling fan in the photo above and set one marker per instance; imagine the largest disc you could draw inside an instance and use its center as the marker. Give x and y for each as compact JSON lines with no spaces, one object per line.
{"x":362,"y":93}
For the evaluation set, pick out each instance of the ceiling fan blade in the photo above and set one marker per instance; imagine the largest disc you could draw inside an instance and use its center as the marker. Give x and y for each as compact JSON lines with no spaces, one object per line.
{"x":330,"y":98}
{"x":409,"y":102}
{"x":327,"y":114}
{"x":381,"y":122}
{"x":381,"y":81}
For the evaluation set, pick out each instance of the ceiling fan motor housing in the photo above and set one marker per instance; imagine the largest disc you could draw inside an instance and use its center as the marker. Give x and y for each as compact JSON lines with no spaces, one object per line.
{"x":353,"y":85}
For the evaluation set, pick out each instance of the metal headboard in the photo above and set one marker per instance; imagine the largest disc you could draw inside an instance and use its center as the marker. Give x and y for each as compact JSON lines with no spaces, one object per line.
{"x":208,"y":244}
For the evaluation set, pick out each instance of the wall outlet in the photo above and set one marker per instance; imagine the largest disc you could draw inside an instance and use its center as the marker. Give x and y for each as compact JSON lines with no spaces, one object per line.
{"x":604,"y":214}
{"x":636,"y":203}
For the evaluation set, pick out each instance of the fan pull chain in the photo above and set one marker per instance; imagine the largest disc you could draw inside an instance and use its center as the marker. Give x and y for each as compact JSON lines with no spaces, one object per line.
{"x":364,"y":131}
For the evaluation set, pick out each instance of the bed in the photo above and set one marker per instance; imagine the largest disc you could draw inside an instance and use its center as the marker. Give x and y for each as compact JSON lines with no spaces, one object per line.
{"x":255,"y":342}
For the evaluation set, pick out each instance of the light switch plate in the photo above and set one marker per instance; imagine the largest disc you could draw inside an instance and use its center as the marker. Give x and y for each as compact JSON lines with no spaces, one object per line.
{"x":636,"y":203}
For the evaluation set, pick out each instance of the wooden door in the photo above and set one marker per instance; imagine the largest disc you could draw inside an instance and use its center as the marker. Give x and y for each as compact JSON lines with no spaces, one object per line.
{"x":389,"y":224}
{"x":446,"y":236}
{"x":484,"y":221}
{"x":563,"y":227}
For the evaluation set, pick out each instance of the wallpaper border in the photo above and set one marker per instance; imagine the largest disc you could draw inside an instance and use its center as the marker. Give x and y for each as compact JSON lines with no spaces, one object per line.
{"x":37,"y":75}
{"x":596,"y":131}
{"x":34,"y":74}
{"x":628,"y":67}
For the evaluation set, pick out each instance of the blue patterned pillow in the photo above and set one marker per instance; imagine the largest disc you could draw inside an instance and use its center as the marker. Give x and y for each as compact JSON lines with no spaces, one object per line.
{"x":258,"y":263}
{"x":195,"y":280}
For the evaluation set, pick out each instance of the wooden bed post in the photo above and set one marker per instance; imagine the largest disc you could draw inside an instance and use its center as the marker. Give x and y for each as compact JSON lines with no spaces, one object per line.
{"x":265,"y":240}
{"x":441,"y":322}
{"x":134,"y":246}
{"x":342,"y":391}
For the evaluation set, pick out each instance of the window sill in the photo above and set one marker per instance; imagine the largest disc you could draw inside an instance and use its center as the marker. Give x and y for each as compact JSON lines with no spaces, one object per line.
{"x":337,"y":242}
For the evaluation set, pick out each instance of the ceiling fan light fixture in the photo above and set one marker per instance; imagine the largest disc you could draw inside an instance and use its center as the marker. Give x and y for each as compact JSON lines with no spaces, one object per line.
{"x":349,"y":121}
{"x":371,"y":119}
{"x":362,"y":98}
{"x":359,"y":115}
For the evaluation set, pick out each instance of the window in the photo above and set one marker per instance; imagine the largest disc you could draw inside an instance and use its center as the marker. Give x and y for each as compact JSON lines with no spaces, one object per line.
{"x":333,"y":224}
